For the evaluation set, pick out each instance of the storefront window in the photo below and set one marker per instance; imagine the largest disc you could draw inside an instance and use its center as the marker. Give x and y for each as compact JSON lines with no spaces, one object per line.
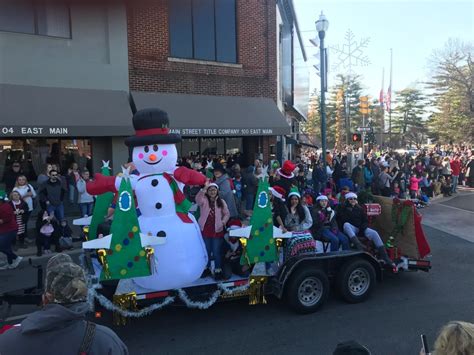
{"x":34,"y":154}
{"x":210,"y":146}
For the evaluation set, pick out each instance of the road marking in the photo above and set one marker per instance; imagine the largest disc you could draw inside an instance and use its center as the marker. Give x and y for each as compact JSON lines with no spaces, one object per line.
{"x":455,"y":208}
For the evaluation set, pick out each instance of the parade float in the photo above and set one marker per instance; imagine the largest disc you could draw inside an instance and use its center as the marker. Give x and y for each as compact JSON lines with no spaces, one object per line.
{"x":153,"y":254}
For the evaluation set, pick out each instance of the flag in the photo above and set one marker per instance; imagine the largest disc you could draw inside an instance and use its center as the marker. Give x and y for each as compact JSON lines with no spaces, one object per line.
{"x":381,"y":98}
{"x":388,"y":99}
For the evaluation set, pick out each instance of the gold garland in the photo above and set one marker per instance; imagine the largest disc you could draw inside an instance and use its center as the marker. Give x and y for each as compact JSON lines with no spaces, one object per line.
{"x":150,"y":252}
{"x":257,"y":290}
{"x":126,"y":301}
{"x":102,"y":255}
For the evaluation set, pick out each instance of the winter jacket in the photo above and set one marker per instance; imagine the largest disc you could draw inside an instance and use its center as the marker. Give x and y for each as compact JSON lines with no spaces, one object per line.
{"x":293,"y":223}
{"x":226,"y":193}
{"x":8,"y":218}
{"x":52,"y":192}
{"x":323,"y":219}
{"x":455,"y":167}
{"x":58,"y":329}
{"x":368,"y":175}
{"x":358,"y":175}
{"x":414,"y":183}
{"x":23,"y":190}
{"x":446,"y":167}
{"x":222,"y":214}
{"x":84,"y":196}
{"x":353,"y":215}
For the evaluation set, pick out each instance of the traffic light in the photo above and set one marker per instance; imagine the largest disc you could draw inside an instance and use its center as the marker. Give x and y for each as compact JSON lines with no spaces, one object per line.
{"x":364,"y":105}
{"x":356,"y":137}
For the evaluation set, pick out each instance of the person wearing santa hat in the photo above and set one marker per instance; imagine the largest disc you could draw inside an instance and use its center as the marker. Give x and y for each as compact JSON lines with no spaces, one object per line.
{"x":279,"y":209}
{"x":286,"y":175}
{"x":232,"y":251}
{"x":353,"y":219}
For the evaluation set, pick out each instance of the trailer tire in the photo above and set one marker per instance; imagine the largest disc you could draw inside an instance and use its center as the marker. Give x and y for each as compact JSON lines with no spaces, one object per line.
{"x":356,"y":280}
{"x":307,"y":290}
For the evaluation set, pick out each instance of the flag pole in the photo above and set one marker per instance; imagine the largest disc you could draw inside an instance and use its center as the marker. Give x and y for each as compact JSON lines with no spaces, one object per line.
{"x":390,"y":102}
{"x":381,"y":102}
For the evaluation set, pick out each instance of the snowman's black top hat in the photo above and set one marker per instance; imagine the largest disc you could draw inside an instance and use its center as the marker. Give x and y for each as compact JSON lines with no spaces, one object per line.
{"x":151,"y":127}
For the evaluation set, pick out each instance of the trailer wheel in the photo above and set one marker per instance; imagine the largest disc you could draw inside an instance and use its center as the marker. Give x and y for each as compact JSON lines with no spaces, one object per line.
{"x":307,"y":290}
{"x":356,"y":280}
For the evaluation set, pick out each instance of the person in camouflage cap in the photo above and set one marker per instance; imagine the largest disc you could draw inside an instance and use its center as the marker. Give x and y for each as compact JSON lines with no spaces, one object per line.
{"x":60,"y":327}
{"x":65,"y":283}
{"x":58,"y":259}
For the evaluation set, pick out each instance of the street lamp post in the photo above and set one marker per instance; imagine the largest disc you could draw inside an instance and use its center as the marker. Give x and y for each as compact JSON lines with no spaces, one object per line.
{"x":322,"y":25}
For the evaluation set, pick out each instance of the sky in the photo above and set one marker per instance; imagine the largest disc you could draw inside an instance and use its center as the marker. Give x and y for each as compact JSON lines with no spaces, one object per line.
{"x":413,"y":29}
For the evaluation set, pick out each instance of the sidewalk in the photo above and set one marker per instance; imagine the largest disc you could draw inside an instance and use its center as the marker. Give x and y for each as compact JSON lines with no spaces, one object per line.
{"x":30,"y":251}
{"x":449,"y":219}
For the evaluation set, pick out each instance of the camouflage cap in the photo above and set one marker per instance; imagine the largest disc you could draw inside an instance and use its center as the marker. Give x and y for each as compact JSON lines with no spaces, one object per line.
{"x":66,"y":282}
{"x":58,"y":259}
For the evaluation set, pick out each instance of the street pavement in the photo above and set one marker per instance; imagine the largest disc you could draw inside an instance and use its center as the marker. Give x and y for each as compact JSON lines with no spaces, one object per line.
{"x":401,"y":308}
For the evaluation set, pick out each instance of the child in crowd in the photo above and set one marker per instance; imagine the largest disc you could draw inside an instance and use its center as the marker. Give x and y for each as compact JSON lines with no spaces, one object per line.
{"x":414,"y":186}
{"x":232,"y":251}
{"x":446,"y":186}
{"x":65,"y":239}
{"x":20,"y":209}
{"x":396,"y":190}
{"x":341,"y":195}
{"x":45,"y":234}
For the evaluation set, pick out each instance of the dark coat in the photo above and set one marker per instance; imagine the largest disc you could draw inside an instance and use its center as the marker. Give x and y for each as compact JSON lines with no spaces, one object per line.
{"x":353,"y":215}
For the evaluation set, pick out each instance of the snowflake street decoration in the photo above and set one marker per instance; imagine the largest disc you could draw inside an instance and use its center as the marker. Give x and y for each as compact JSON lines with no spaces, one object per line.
{"x":351,"y":53}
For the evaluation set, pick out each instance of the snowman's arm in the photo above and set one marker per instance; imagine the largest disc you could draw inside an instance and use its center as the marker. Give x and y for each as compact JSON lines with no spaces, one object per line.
{"x":102,"y":184}
{"x":188,"y":176}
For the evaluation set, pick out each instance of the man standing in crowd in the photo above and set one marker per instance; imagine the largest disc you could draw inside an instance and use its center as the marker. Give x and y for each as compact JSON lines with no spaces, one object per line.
{"x":10,"y":176}
{"x":52,"y":193}
{"x":61,"y":326}
{"x":455,"y":171}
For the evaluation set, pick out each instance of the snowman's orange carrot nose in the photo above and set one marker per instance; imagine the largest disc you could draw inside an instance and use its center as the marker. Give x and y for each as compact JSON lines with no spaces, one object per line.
{"x":152,"y":157}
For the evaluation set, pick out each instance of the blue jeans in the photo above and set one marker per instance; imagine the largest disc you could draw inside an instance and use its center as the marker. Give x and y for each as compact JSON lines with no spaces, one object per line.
{"x":86,"y":208}
{"x":249,"y":201}
{"x":6,"y":240}
{"x":214,"y":248}
{"x":455,"y":183}
{"x":336,"y":239}
{"x":57,"y":210}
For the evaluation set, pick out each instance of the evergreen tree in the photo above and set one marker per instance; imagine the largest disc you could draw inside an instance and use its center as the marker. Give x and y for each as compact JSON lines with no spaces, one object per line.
{"x":351,"y":87}
{"x":408,"y":119}
{"x":312,"y":127}
{"x":453,"y":93}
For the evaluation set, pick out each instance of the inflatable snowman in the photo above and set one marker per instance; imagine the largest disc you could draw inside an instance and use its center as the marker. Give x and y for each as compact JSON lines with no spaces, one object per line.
{"x":181,"y":259}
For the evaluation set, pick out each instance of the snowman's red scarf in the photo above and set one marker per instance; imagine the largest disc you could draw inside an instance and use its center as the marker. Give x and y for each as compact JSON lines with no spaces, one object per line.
{"x":182,"y":204}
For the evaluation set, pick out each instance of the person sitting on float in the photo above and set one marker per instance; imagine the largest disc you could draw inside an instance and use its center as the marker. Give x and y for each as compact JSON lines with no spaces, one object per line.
{"x":279,"y":209}
{"x":353,"y":220}
{"x":298,"y":218}
{"x":325,"y":225}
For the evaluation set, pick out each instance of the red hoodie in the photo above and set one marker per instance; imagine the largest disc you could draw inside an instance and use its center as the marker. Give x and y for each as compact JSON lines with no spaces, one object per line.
{"x":7,"y":217}
{"x":455,"y":167}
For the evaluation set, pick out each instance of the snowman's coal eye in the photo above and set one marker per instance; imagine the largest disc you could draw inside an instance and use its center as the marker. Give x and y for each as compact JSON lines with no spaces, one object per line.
{"x":147,"y":149}
{"x":155,"y":148}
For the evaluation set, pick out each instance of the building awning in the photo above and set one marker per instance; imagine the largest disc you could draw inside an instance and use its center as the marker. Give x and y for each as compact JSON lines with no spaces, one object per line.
{"x":202,"y":115}
{"x":33,"y":111}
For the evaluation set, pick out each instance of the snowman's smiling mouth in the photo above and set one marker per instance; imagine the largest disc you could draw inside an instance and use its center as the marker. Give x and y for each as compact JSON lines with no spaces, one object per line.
{"x":156,"y":162}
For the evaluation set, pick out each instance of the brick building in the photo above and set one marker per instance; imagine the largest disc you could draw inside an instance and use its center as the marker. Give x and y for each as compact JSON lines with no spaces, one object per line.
{"x":212,"y":65}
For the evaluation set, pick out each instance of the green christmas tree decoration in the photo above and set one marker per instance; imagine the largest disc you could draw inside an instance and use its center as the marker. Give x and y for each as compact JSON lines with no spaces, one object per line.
{"x":102,"y":204}
{"x":126,"y":258}
{"x":261,"y":246}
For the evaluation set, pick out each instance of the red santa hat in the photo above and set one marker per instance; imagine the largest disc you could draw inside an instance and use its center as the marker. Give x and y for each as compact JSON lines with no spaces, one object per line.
{"x":234,"y":224}
{"x":287,"y":169}
{"x":278,"y":192}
